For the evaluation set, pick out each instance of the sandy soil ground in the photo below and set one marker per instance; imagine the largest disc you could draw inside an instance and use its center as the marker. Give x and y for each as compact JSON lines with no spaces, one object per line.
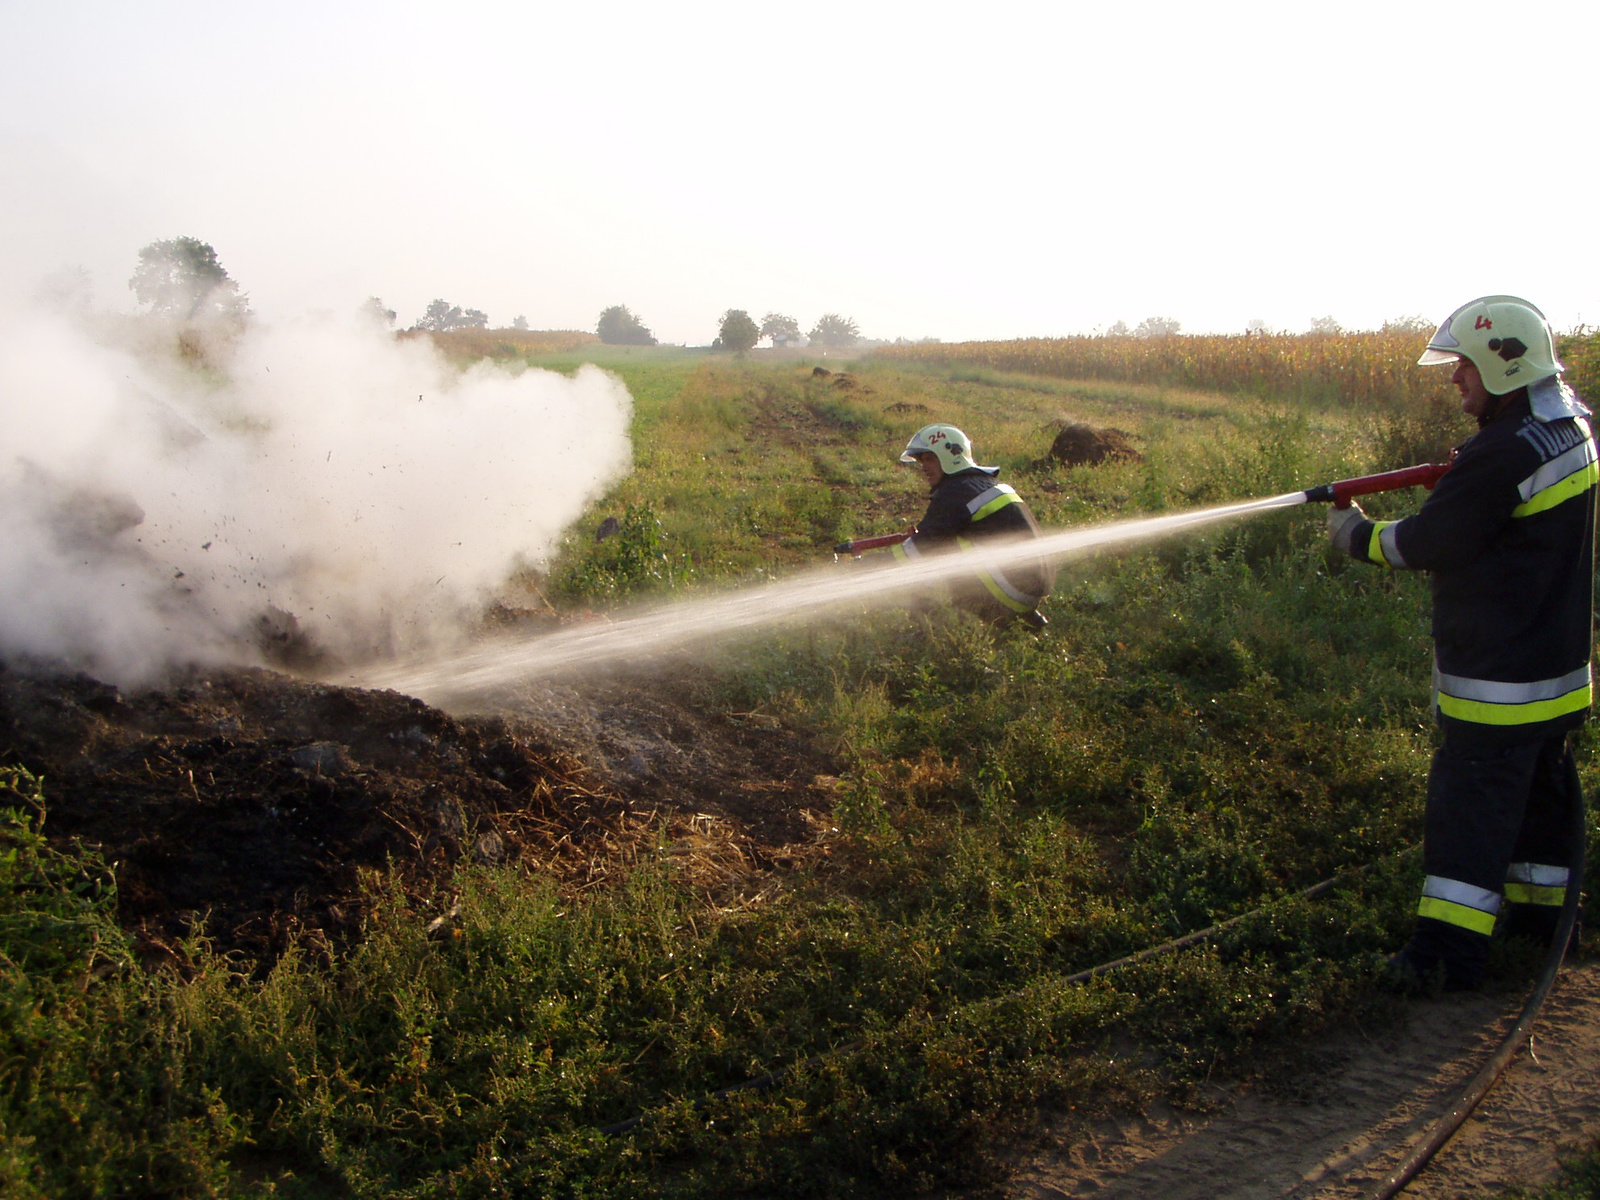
{"x":1373,"y":1096}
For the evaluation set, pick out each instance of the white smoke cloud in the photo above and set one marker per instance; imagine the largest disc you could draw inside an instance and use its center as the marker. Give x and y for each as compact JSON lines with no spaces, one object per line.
{"x":155,"y":509}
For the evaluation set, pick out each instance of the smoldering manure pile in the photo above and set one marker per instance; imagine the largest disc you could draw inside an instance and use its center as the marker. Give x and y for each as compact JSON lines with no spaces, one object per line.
{"x":252,"y":804}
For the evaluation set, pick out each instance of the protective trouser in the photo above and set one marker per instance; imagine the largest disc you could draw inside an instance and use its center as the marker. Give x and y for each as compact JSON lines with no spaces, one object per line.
{"x":1498,"y":829}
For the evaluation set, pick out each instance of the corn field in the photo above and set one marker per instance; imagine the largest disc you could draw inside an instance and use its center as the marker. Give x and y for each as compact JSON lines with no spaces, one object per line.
{"x":1377,"y":369}
{"x":469,"y":345}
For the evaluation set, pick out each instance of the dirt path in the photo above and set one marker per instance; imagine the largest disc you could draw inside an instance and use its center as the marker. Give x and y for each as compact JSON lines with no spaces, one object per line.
{"x":1374,"y":1096}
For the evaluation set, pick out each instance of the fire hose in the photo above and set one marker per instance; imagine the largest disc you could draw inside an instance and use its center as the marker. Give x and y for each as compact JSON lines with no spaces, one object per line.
{"x":882,"y":542}
{"x":1340,"y":494}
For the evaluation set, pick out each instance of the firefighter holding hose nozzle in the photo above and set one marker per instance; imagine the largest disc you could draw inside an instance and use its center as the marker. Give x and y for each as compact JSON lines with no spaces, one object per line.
{"x":968,"y":507}
{"x":1508,"y":537}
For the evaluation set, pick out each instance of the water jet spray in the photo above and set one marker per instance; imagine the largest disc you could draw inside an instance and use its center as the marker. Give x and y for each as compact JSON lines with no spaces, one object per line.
{"x":642,"y":636}
{"x":672,"y":628}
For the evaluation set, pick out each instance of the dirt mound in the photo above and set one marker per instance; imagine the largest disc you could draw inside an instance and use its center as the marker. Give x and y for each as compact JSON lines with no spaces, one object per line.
{"x":1077,"y":444}
{"x":257,"y":800}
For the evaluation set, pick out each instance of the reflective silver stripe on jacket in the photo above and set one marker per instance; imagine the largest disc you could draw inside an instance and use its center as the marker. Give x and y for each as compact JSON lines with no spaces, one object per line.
{"x":1571,"y":473}
{"x":1537,"y":874}
{"x":1557,"y":469}
{"x":1459,"y":904}
{"x":1439,"y":888}
{"x":1536,"y":883}
{"x":1492,"y":691}
{"x":1001,"y":491}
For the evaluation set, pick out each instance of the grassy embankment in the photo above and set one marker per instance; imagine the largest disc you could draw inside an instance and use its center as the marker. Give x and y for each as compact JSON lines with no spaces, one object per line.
{"x":1208,"y":725}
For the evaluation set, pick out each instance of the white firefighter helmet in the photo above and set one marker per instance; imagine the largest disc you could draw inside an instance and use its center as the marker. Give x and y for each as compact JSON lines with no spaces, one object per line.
{"x":1505,"y":337}
{"x":947,"y":443}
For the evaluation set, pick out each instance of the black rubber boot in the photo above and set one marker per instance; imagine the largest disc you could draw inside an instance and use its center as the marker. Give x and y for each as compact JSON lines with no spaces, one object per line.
{"x":1538,"y":923}
{"x":1415,"y":973}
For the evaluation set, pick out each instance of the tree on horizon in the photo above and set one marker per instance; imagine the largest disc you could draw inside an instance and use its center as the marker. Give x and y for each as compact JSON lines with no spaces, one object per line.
{"x":737,"y":332}
{"x":834,"y":332}
{"x":619,"y":327}
{"x":182,"y":277}
{"x":783,"y":330}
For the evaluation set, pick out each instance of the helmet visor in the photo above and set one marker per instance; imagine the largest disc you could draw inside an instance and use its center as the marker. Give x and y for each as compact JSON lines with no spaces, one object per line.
{"x":1443,"y":346}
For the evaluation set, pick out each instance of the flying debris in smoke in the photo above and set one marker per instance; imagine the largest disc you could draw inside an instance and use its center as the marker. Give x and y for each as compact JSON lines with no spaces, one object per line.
{"x":170,"y":501}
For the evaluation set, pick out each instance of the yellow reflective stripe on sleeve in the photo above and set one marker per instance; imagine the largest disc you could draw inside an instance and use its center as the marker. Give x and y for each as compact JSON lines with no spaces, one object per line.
{"x":1375,"y":545}
{"x":1531,"y":712}
{"x":904,"y":551}
{"x":1388,"y":542}
{"x":1459,"y":915}
{"x":1528,"y":893}
{"x":1558,"y":493}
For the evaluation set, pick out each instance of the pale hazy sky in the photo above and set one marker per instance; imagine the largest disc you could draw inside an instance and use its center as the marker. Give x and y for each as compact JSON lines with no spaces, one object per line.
{"x":977,"y":170}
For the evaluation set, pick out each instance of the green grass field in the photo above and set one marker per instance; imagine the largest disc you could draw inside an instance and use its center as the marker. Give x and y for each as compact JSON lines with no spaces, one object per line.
{"x":1208,"y":725}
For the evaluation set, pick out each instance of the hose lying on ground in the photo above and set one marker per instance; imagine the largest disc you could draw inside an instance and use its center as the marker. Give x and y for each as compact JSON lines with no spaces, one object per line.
{"x":1478,"y":1087}
{"x":762,"y":1082}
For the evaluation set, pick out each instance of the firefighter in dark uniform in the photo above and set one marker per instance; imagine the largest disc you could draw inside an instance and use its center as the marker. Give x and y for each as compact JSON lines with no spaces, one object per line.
{"x":969,"y":507}
{"x":1508,"y":536}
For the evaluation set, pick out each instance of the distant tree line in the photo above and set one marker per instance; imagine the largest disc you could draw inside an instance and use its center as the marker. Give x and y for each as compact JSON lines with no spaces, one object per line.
{"x":737,"y":330}
{"x":442,"y":317}
{"x":739,"y":333}
{"x":182,"y":278}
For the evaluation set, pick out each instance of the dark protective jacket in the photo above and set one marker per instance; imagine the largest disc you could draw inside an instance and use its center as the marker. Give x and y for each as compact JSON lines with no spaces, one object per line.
{"x":1508,"y":535}
{"x":971,"y":506}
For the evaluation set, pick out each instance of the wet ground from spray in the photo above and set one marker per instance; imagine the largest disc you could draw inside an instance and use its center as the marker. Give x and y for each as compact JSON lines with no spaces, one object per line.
{"x":256,"y":801}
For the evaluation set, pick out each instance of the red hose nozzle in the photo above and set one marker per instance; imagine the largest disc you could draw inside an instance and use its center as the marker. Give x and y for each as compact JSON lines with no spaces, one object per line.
{"x":1340,"y":494}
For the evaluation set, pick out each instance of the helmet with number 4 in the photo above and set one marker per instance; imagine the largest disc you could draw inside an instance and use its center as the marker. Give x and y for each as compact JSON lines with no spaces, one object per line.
{"x":1505,"y":337}
{"x":948,"y":444}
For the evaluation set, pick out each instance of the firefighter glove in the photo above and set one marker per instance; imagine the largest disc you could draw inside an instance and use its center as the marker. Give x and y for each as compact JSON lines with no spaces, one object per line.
{"x":1342,"y":524}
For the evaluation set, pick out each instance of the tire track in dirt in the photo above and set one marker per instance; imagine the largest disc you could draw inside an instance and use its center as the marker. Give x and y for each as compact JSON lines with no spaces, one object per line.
{"x":1374,"y":1097}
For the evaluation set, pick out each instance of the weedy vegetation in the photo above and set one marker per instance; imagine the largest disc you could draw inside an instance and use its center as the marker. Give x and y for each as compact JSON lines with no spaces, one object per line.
{"x":1208,"y":726}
